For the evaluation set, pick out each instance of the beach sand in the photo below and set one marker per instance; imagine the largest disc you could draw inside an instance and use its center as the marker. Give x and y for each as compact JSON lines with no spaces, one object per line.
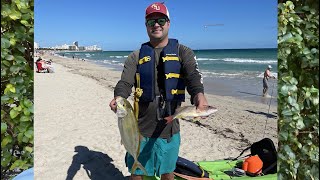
{"x":77,"y":136}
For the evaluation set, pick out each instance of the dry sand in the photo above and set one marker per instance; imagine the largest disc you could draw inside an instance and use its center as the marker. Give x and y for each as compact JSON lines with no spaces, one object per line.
{"x":72,"y":113}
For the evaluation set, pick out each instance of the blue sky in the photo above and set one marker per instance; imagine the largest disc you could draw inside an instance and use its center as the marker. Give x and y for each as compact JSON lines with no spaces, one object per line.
{"x":119,"y":24}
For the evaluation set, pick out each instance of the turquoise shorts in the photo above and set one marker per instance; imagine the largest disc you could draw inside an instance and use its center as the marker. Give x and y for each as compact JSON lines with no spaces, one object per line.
{"x":157,"y":155}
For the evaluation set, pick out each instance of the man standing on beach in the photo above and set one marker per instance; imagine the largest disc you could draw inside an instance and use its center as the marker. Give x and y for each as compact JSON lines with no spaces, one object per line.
{"x":160,"y":71}
{"x":266,"y":76}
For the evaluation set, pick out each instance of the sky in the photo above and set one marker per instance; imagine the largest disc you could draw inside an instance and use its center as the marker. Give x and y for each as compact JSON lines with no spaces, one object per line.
{"x":117,"y":25}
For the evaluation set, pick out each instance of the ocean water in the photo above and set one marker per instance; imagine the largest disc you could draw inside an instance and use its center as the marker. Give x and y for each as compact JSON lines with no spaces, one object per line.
{"x":228,"y":72}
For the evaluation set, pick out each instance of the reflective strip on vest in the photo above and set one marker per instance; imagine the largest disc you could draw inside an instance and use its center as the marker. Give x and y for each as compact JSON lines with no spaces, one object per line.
{"x":173,"y":75}
{"x":144,"y":59}
{"x":177,"y":91}
{"x":137,"y":94}
{"x":170,"y":58}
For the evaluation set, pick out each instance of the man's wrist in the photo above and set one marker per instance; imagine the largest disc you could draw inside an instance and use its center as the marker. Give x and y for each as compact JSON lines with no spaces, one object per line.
{"x":196,"y":98}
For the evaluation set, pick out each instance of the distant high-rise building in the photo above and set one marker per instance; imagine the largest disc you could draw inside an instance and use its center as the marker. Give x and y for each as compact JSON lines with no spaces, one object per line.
{"x":75,"y":47}
{"x":36,"y":45}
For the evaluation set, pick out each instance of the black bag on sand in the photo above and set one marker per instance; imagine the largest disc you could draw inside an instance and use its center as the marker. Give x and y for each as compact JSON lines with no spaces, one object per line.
{"x":189,"y":168}
{"x":267,"y":152}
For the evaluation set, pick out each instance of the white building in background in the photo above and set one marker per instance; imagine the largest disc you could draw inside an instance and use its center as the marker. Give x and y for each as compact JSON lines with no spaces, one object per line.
{"x":72,"y":48}
{"x":93,"y":48}
{"x":36,"y":45}
{"x":75,"y":47}
{"x":63,"y":47}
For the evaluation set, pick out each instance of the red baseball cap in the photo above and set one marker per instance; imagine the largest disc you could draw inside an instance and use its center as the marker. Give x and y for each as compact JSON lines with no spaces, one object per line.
{"x":157,"y":8}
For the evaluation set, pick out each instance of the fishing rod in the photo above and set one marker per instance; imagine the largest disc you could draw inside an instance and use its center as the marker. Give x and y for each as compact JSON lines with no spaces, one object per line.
{"x":265,"y":126}
{"x":207,"y":25}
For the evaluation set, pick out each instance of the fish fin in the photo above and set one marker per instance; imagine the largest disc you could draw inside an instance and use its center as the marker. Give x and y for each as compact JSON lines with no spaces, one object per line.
{"x":169,"y":119}
{"x":187,"y":118}
{"x":196,"y":119}
{"x":198,"y":110}
{"x":213,"y":107}
{"x":179,"y":109}
{"x":136,"y":165}
{"x":204,"y":117}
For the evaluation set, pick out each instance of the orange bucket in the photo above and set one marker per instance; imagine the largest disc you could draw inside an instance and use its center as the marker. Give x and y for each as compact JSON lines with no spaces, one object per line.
{"x":253,"y":165}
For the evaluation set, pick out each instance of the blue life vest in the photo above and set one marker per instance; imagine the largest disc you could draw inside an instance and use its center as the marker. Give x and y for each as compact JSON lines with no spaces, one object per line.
{"x":174,"y":87}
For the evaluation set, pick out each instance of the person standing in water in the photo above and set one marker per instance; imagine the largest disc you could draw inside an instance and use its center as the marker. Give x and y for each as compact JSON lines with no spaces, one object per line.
{"x":266,"y":76}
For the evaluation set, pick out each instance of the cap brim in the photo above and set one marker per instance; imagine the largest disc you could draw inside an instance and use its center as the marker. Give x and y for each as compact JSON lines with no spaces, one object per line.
{"x":158,"y":13}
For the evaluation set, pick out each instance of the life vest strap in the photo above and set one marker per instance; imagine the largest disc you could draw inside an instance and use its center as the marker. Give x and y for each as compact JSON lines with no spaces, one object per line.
{"x":137,"y":94}
{"x":173,"y":75}
{"x":170,"y":58}
{"x":177,"y":91}
{"x":144,"y":59}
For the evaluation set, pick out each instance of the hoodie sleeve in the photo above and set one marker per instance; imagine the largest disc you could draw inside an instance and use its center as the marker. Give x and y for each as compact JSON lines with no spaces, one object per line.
{"x":190,"y":70}
{"x":125,"y":84}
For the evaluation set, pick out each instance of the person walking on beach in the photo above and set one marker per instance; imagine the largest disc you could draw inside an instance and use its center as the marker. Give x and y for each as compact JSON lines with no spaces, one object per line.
{"x":160,"y":70}
{"x":266,"y":76}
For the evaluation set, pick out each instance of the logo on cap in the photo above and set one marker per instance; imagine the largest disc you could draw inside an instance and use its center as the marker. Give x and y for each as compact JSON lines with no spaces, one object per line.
{"x":155,"y":6}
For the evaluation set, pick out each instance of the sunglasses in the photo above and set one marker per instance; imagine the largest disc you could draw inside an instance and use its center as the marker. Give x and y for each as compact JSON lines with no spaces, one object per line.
{"x":160,"y":21}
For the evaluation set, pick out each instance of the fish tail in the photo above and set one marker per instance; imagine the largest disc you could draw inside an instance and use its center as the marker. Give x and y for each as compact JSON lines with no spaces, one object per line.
{"x":136,"y":165}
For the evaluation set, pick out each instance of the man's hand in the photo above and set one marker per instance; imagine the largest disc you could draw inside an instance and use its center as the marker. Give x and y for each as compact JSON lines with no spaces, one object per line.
{"x":200,"y":101}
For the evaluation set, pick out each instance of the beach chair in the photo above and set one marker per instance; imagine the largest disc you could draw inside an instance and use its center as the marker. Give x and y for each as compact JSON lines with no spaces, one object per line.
{"x":39,"y":68}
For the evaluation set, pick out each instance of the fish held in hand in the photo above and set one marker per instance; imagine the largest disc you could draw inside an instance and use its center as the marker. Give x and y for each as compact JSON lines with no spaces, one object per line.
{"x":191,"y":112}
{"x":129,"y":131}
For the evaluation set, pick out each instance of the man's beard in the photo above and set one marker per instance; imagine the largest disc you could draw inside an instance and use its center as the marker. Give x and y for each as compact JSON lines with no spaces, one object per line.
{"x":158,"y":39}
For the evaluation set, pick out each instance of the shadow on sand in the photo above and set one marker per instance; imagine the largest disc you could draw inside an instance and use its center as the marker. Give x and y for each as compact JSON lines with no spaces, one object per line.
{"x":249,"y":93}
{"x":263,"y":113}
{"x":97,"y":165}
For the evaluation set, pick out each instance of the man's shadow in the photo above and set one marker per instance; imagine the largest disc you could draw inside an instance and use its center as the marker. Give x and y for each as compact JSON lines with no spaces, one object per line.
{"x":97,"y":165}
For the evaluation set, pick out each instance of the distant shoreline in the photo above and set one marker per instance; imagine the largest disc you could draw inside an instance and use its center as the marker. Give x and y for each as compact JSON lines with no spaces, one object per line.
{"x":134,"y":50}
{"x":233,"y":49}
{"x":71,"y":51}
{"x":244,"y":89}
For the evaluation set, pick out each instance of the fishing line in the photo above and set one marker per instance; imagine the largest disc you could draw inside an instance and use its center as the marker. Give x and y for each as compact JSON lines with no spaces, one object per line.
{"x":265,"y":126}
